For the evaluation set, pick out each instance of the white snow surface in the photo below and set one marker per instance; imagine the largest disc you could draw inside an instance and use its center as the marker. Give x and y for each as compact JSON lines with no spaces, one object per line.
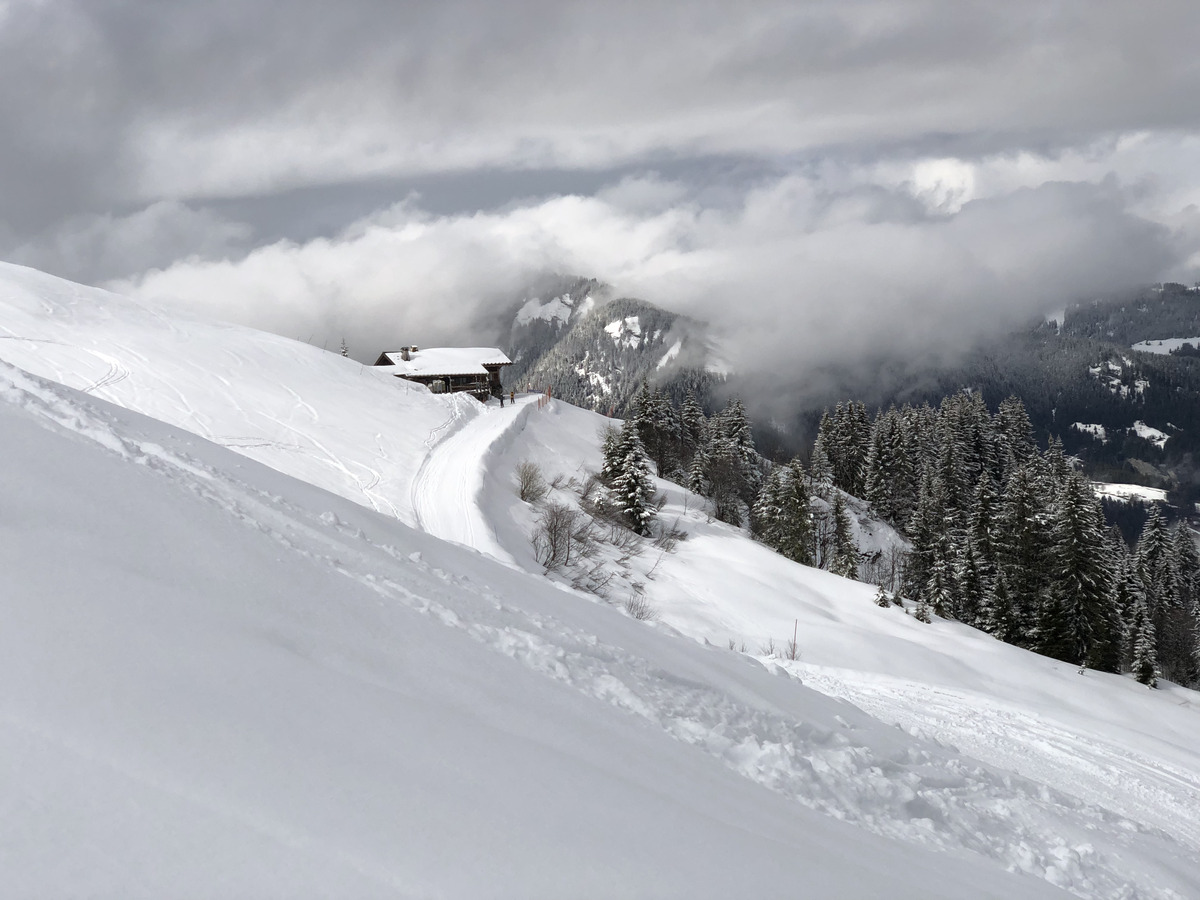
{"x":1166,"y":345}
{"x":1127,"y":492}
{"x":556,"y":309}
{"x":672,"y":353}
{"x":626,"y":332}
{"x":221,"y":680}
{"x":1153,"y":435}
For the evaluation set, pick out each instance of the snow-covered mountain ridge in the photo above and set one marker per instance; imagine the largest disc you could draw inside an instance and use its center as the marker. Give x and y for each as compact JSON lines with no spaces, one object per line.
{"x":385,"y":699}
{"x":594,"y":349}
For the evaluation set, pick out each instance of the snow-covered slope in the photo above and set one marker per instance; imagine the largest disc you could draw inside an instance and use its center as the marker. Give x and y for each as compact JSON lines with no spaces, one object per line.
{"x":218,"y":681}
{"x":220,"y":678}
{"x":355,"y":430}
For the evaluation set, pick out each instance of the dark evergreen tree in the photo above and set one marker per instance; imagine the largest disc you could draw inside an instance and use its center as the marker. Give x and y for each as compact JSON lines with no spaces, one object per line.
{"x":613,"y":449}
{"x":890,"y":483}
{"x":692,"y":427}
{"x":924,"y":531}
{"x":1013,"y":433}
{"x":821,"y":471}
{"x":782,"y":515}
{"x":996,"y":611}
{"x":1079,"y":622}
{"x":845,"y":555}
{"x":1142,"y":645}
{"x":631,"y":487}
{"x":881,"y":598}
{"x":971,"y":581}
{"x":724,"y":478}
{"x":1022,"y":541}
{"x":767,"y":513}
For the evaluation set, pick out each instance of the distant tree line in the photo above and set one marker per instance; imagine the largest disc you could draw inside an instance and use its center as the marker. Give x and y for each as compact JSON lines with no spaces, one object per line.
{"x":1011,"y":539}
{"x":1003,"y":536}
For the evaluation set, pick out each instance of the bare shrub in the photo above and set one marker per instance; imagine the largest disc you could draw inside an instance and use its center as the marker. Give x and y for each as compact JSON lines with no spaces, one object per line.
{"x":883,"y":568}
{"x":791,"y":649}
{"x":531,"y":486}
{"x":639,"y":607}
{"x":668,"y":537}
{"x":657,"y":563}
{"x":768,"y":649}
{"x":556,"y":537}
{"x":594,"y":581}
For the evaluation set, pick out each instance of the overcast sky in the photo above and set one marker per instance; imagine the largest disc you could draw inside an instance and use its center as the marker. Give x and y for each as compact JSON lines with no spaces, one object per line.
{"x":814,"y":178}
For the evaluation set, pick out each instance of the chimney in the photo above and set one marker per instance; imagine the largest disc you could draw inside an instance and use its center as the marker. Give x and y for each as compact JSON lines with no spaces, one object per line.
{"x":414,"y":348}
{"x":404,"y":353}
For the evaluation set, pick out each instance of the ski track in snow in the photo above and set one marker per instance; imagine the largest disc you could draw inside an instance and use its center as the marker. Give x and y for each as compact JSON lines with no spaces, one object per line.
{"x":447,"y":486}
{"x":1090,"y":767}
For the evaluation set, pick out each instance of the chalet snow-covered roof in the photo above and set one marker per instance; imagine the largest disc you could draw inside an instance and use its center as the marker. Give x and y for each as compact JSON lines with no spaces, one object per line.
{"x":444,"y":361}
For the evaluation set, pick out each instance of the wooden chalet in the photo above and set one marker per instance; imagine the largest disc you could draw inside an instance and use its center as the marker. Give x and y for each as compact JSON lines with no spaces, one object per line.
{"x":449,"y":370}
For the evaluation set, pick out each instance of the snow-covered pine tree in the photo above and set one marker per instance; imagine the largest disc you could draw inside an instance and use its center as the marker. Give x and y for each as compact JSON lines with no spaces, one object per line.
{"x":1021,"y":541}
{"x":692,"y":427}
{"x":1079,"y":622}
{"x":939,"y":583}
{"x":796,"y":522}
{"x":1185,"y":566}
{"x":1055,"y":469}
{"x":614,"y":452}
{"x":734,"y":426}
{"x":1143,"y":651}
{"x":889,"y":484}
{"x":632,"y":490}
{"x":995,"y":613}
{"x":696,"y":482}
{"x":971,"y":579}
{"x":1013,"y":432}
{"x":924,"y":531}
{"x":767,"y":513}
{"x":881,"y":598}
{"x":723,"y":478}
{"x":1153,"y":558}
{"x":845,"y":553}
{"x":857,"y":431}
{"x":820,"y":471}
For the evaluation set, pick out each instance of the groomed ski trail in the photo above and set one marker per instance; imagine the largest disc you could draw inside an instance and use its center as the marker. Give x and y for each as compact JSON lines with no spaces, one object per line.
{"x":446,"y":489}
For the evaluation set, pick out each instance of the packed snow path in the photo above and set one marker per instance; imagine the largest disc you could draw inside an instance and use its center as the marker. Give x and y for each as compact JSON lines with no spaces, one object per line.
{"x":447,"y":487}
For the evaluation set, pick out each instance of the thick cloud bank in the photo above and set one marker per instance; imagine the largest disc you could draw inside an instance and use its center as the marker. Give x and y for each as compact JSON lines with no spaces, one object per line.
{"x":792,"y":276}
{"x":818,"y":179}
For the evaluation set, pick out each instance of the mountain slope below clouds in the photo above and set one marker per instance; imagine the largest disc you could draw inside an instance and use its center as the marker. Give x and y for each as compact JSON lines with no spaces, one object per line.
{"x":595,"y":351}
{"x":221,"y":681}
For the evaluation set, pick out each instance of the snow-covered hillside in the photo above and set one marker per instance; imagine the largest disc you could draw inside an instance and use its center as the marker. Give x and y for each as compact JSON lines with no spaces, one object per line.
{"x":219,"y":679}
